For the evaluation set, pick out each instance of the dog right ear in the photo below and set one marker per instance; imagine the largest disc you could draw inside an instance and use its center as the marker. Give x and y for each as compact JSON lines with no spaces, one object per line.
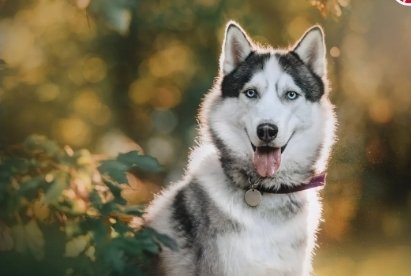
{"x":236,"y":47}
{"x":311,"y":49}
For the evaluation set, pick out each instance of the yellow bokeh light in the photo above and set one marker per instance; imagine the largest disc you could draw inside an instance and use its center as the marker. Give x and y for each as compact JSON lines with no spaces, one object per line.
{"x":167,"y":97}
{"x":380,"y":110}
{"x":85,"y":101}
{"x":89,"y":105}
{"x":17,"y":43}
{"x":335,"y":52}
{"x":72,"y":131}
{"x":140,"y":91}
{"x":74,"y":73}
{"x":47,"y":92}
{"x":94,"y":69}
{"x":175,"y":58}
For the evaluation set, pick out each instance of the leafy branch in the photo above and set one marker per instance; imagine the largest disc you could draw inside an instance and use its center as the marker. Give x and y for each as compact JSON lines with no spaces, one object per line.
{"x":330,"y":7}
{"x":45,"y":186}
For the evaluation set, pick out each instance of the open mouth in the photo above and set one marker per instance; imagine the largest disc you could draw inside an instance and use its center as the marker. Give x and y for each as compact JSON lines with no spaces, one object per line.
{"x":267,"y":159}
{"x":254,"y":147}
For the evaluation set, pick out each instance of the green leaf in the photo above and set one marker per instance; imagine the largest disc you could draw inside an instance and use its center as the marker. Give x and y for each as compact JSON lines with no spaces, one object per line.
{"x":163,"y":239}
{"x":10,"y":167}
{"x":116,"y":191}
{"x":73,"y":228}
{"x":115,"y":256}
{"x":19,"y":238}
{"x":31,"y":184}
{"x":35,"y":239}
{"x":57,"y":187}
{"x":41,"y":143}
{"x":137,"y":245}
{"x":146,"y":240}
{"x":128,"y":158}
{"x":120,"y":227}
{"x":108,"y":208}
{"x":144,"y":162}
{"x":97,"y":227}
{"x":133,"y":270}
{"x":135,"y":210}
{"x":115,"y":169}
{"x":167,"y":241}
{"x":95,"y":199}
{"x":76,"y":245}
{"x":148,"y":163}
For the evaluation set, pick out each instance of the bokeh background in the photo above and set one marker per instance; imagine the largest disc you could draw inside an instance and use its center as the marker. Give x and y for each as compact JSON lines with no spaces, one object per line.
{"x":114,"y":76}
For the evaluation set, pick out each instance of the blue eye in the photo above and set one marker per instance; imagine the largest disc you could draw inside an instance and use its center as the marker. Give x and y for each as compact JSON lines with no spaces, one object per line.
{"x":291,"y":95}
{"x":251,"y":93}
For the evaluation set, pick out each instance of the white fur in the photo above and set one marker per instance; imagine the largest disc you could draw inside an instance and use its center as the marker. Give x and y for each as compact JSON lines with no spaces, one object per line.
{"x":263,"y":247}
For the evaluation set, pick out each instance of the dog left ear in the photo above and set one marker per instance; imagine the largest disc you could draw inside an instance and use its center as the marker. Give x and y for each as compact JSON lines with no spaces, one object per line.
{"x":311,"y":49}
{"x":236,"y":47}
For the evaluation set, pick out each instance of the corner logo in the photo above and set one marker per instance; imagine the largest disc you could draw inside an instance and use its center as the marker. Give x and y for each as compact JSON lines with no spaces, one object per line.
{"x":404,"y":2}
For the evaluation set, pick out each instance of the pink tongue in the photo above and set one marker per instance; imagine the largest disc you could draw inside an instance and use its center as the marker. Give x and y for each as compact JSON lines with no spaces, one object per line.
{"x":267,"y":161}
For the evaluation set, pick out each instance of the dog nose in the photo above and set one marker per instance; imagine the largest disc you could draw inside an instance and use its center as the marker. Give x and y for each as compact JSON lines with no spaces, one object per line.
{"x":267,"y":132}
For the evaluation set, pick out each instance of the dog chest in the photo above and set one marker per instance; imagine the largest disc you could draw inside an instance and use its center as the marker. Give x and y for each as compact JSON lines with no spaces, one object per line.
{"x":264,"y":249}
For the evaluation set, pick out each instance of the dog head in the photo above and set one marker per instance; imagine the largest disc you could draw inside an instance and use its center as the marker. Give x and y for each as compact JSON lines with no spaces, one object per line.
{"x":269,"y":112}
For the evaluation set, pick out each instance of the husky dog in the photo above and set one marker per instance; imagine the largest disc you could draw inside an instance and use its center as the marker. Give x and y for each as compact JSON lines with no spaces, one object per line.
{"x":248,"y":203}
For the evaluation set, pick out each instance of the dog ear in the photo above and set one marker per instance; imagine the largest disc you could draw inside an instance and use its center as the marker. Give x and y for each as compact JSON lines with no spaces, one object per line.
{"x":236,"y":47}
{"x":311,"y":49}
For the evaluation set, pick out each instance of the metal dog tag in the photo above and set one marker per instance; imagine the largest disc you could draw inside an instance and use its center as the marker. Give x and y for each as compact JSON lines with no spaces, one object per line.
{"x":252,"y":197}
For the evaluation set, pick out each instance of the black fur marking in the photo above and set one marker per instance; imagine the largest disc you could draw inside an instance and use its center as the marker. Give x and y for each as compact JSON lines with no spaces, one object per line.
{"x":310,"y":83}
{"x":198,"y":221}
{"x":185,"y":221}
{"x":235,"y":80}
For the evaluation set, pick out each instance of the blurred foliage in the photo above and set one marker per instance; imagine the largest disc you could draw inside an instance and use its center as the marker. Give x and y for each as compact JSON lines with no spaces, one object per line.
{"x":128,"y":75}
{"x":330,"y":7}
{"x":65,"y":209}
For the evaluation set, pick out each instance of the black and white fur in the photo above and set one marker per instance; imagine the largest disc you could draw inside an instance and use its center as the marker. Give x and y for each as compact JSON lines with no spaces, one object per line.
{"x":217,"y":232}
